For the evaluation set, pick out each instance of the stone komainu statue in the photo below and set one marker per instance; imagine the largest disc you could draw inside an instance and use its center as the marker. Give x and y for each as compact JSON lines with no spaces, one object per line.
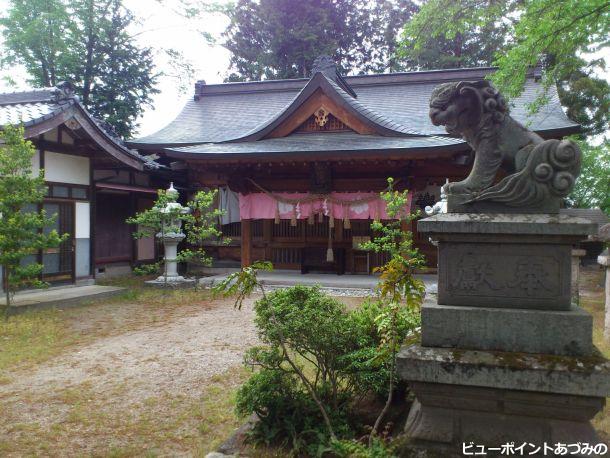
{"x":540,"y":172}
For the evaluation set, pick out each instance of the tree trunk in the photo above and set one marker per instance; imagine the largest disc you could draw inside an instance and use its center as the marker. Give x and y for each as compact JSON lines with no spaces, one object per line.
{"x":604,"y":260}
{"x":458,"y":48}
{"x":7,"y":290}
{"x":90,"y":46}
{"x":388,"y":402}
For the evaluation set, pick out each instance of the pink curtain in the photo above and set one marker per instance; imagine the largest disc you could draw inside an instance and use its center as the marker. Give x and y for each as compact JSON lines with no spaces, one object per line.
{"x":263,"y":206}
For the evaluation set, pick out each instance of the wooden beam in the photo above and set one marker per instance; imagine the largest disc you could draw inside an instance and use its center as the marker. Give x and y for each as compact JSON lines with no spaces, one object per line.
{"x":246,"y":242}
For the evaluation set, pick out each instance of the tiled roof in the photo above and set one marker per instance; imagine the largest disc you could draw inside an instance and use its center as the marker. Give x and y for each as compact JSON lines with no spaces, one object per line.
{"x":33,"y":107}
{"x":224,"y":112}
{"x":379,"y":123}
{"x":373,"y":115}
{"x":30,"y":107}
{"x":335,"y":142}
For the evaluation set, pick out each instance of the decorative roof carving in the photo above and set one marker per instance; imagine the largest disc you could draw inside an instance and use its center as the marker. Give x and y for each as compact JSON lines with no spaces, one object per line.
{"x":323,"y":121}
{"x":321,"y":116}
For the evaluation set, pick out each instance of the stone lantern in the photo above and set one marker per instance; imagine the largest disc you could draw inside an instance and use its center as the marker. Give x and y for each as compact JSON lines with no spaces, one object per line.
{"x":171,"y":235}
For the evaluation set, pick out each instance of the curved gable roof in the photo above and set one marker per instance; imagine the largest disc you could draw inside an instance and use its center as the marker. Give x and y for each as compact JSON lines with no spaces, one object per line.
{"x":377,"y":123}
{"x":44,"y":109}
{"x":398,"y":102}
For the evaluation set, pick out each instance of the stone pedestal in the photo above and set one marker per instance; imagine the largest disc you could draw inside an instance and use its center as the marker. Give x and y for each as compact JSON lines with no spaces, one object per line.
{"x":493,"y":398}
{"x":505,"y":354}
{"x":505,"y":260}
{"x":555,"y":332}
{"x":171,"y":278}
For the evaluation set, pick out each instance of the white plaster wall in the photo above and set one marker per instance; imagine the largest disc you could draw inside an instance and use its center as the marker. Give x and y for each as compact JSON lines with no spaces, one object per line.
{"x":36,"y":164}
{"x":65,"y":168}
{"x":82,"y":220}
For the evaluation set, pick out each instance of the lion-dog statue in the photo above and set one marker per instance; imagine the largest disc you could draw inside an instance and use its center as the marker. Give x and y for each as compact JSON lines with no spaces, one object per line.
{"x":539,"y":172}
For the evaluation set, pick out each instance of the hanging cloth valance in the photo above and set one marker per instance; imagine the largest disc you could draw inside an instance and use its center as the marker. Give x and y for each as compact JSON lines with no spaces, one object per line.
{"x":294,"y":206}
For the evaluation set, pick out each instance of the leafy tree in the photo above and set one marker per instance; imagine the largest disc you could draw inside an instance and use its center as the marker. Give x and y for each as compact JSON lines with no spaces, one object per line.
{"x":274,"y":39}
{"x":398,"y":288}
{"x":382,"y":24}
{"x":525,"y":33}
{"x":199,"y":225}
{"x":592,"y":188}
{"x":85,"y":42}
{"x":467,"y":48}
{"x":21,"y":225}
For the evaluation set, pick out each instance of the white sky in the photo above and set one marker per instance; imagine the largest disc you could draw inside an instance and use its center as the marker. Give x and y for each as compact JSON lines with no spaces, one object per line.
{"x":161,"y":27}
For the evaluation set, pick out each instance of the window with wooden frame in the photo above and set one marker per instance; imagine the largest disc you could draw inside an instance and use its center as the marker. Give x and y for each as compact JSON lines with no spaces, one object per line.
{"x":67,"y":191}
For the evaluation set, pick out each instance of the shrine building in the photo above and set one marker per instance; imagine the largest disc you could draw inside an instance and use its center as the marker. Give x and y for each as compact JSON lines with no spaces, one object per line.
{"x":300,"y":163}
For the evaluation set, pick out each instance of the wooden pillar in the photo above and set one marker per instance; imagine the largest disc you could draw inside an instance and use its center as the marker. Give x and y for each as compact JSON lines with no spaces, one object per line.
{"x":246,"y":242}
{"x":408,"y":226}
{"x":338,"y":230}
{"x":267,"y":237}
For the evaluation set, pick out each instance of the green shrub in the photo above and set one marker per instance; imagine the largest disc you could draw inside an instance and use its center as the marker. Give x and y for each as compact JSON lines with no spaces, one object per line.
{"x":147,"y":269}
{"x":288,"y":415}
{"x":337,"y":350}
{"x":370,"y":368}
{"x":354,"y":449}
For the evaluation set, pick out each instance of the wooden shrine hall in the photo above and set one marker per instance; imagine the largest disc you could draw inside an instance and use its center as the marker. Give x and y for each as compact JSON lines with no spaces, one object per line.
{"x":300,"y":163}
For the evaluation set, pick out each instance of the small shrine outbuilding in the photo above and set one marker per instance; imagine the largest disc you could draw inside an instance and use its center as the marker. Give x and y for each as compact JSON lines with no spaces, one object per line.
{"x":94,"y":183}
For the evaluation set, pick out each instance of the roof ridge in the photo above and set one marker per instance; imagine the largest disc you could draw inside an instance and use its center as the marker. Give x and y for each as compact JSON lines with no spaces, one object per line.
{"x":292,"y":83}
{"x":63,"y":92}
{"x":380,"y":122}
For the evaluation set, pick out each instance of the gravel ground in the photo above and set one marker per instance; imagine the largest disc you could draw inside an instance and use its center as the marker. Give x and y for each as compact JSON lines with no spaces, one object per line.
{"x":131,"y":355}
{"x":186,"y":346}
{"x":174,"y":357}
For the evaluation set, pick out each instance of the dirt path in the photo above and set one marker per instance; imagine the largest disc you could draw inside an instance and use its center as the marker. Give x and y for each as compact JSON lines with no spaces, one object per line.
{"x":170,"y":359}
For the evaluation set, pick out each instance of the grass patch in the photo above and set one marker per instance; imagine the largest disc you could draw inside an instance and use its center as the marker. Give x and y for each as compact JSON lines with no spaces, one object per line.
{"x":31,"y":337}
{"x":35,"y":336}
{"x":106,"y":426}
{"x":117,"y":420}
